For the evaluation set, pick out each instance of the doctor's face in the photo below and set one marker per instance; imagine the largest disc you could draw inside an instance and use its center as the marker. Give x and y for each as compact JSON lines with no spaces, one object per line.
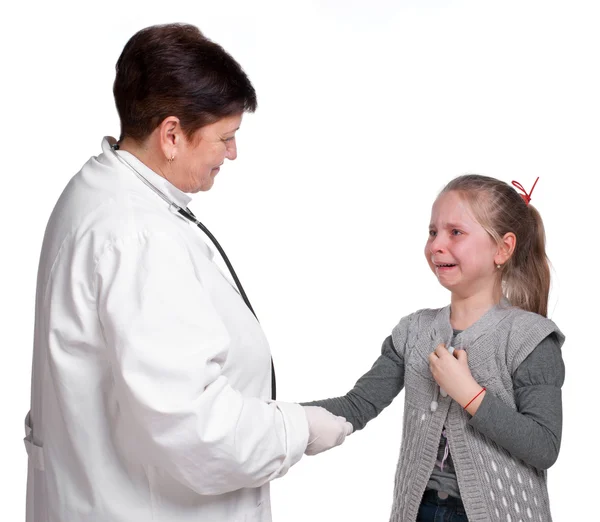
{"x":201,"y":158}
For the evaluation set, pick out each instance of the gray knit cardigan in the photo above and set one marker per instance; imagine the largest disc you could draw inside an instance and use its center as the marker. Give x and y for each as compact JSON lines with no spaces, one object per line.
{"x":494,"y":485}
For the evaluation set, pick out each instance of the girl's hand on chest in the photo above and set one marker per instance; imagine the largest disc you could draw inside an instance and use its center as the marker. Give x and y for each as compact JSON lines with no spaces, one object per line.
{"x":452,"y":373}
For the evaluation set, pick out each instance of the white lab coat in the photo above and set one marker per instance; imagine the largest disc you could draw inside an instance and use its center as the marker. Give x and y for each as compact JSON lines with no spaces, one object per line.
{"x":151,"y":378}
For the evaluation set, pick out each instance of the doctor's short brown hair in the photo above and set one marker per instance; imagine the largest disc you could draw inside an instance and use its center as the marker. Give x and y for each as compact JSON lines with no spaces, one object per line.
{"x":174,"y":70}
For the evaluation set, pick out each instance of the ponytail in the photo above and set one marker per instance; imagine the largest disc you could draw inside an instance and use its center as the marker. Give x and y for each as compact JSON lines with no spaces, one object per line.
{"x":526,"y":278}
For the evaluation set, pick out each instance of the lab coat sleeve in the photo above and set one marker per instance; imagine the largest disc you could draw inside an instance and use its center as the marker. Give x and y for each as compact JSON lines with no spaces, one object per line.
{"x":166,"y":344}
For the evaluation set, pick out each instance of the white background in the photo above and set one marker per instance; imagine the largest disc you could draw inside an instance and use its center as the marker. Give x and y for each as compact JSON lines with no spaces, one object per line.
{"x":366,"y":109}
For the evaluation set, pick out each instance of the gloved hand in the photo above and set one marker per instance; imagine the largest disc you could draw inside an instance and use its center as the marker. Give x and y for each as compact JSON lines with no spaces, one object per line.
{"x":325,"y":430}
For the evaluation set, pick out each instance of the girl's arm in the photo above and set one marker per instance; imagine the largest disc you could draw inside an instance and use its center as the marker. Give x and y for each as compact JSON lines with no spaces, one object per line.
{"x":532,"y":432}
{"x":372,"y":392}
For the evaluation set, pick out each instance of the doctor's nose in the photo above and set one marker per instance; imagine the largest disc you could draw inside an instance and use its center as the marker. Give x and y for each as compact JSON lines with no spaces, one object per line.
{"x":231,"y":152}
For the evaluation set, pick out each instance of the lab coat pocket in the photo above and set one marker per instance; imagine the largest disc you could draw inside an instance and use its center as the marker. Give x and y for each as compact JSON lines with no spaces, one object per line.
{"x":35,"y":451}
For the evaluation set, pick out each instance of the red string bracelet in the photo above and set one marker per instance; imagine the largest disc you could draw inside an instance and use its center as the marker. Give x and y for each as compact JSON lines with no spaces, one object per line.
{"x":482,"y":390}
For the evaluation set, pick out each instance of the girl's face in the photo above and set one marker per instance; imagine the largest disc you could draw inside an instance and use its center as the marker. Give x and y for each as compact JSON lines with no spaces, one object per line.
{"x":459,"y":251}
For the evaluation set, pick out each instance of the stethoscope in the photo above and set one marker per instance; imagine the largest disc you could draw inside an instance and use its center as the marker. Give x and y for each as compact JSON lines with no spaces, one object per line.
{"x":189,"y":216}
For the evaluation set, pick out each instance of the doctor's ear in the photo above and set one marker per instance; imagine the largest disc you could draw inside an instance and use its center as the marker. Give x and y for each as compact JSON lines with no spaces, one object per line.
{"x":506,"y":247}
{"x":170,"y":136}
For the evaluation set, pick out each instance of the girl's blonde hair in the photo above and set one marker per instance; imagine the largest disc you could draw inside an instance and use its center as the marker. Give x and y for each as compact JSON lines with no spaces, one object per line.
{"x":500,"y":209}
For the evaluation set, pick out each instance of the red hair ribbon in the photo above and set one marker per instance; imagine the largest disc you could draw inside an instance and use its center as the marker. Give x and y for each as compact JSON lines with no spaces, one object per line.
{"x":526,"y":197}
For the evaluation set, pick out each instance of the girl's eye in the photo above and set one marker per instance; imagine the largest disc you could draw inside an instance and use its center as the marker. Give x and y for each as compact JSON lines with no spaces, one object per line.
{"x":456,"y":232}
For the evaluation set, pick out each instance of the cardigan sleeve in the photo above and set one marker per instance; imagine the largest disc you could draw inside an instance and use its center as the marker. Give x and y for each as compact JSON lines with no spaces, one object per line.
{"x":374,"y":391}
{"x":533,"y":431}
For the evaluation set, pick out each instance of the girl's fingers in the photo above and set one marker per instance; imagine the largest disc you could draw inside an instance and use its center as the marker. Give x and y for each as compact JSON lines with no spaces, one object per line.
{"x":440,"y":350}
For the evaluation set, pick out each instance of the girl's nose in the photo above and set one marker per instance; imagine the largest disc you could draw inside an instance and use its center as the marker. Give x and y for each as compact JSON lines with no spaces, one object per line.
{"x":437,"y":245}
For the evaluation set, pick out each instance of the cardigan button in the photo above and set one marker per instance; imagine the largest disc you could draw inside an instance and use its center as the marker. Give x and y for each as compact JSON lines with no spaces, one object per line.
{"x":442,"y":494}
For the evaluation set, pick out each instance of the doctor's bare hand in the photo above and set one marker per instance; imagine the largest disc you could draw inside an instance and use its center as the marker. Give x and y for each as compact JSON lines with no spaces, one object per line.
{"x":325,"y":430}
{"x":452,"y":373}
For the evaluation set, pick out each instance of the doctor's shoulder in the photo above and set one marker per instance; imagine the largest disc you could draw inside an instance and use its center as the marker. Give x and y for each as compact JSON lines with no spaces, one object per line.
{"x":119,"y":226}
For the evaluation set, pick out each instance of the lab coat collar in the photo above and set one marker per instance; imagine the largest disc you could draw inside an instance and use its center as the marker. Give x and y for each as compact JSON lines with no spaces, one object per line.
{"x":162,"y":184}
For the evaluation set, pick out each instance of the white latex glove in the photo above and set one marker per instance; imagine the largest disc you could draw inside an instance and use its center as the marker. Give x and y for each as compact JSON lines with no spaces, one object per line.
{"x":325,"y":430}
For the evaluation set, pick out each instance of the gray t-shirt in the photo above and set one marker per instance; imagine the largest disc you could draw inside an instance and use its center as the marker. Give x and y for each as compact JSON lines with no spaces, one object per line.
{"x":531,"y":433}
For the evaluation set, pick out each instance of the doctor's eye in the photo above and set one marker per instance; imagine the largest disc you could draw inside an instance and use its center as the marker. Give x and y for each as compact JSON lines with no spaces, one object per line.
{"x":432,"y":233}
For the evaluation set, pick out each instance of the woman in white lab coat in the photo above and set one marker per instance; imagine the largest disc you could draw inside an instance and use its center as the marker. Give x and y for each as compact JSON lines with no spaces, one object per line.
{"x":152,"y":379}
